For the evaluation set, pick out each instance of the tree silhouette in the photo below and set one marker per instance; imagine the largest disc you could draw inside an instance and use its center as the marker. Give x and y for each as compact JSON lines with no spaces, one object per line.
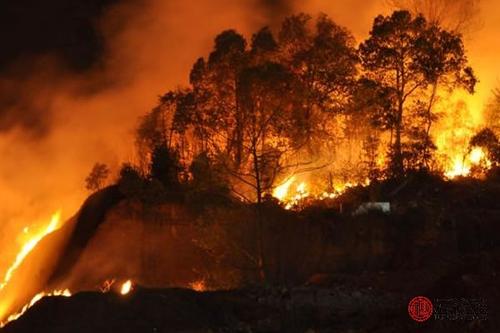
{"x":267,"y":98}
{"x":492,"y":112}
{"x":413,"y":58}
{"x":324,"y":61}
{"x":165,"y":167}
{"x":97,"y":177}
{"x":253,"y":110}
{"x":487,"y":139}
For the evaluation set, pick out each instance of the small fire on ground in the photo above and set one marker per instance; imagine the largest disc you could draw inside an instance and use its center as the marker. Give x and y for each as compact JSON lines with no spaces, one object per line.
{"x":34,"y":300}
{"x":126,"y":287}
{"x":293,"y":191}
{"x":198,"y":286}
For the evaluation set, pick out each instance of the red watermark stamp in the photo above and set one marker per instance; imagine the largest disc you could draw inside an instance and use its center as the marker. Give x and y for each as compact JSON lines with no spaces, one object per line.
{"x":420,"y":308}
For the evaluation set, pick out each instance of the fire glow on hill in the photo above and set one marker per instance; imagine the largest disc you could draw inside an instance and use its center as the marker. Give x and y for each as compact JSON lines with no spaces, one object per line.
{"x":305,"y":113}
{"x":293,"y":190}
{"x":29,"y":246}
{"x":26,"y":249}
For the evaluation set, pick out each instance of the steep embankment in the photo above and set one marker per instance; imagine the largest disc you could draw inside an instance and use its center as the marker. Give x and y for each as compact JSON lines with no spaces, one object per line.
{"x":55,"y":254}
{"x":89,"y":218}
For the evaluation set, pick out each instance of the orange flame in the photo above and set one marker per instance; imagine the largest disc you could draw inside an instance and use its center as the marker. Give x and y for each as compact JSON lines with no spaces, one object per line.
{"x":34,"y":300}
{"x":30,"y":245}
{"x":462,"y":166}
{"x":126,"y":287}
{"x":26,"y":249}
{"x":303,"y":190}
{"x":106,"y":286}
{"x":280,"y":192}
{"x":198,"y":285}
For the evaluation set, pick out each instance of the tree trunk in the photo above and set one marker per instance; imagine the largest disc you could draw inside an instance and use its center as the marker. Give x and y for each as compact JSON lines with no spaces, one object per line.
{"x":397,"y":167}
{"x":239,"y":126}
{"x":397,"y":158}
{"x":259,"y":217}
{"x":429,"y":123}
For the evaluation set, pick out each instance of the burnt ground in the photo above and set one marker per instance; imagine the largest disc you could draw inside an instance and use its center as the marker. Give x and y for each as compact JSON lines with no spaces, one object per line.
{"x":368,"y":302}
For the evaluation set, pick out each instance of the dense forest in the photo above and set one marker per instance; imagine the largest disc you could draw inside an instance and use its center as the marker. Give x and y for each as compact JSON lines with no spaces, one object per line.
{"x":304,"y":100}
{"x":308,"y":100}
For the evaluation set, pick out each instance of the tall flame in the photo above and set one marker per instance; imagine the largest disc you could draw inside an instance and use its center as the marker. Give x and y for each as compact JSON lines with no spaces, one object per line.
{"x":462,"y":166}
{"x":30,"y":245}
{"x":281,"y":191}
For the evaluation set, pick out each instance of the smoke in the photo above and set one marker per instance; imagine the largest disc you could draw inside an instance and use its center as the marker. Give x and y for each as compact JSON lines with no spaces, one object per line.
{"x":55,"y":123}
{"x":275,"y":10}
{"x":461,"y":16}
{"x":356,"y":15}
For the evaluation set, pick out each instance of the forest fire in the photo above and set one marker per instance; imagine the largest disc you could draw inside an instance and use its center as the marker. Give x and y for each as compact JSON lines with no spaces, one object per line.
{"x":281,"y":191}
{"x":298,"y":150}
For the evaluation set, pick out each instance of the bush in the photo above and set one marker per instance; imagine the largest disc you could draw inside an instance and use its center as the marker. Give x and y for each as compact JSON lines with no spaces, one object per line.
{"x":166,"y":168}
{"x":208,"y":186}
{"x":130,"y":181}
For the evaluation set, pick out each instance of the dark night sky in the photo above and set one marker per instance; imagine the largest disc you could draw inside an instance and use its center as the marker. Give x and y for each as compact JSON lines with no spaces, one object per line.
{"x":64,"y":27}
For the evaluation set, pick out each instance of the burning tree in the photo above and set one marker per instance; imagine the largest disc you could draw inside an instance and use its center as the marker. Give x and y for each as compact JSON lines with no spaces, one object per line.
{"x":283,"y":105}
{"x":413,"y":59}
{"x":253,"y":113}
{"x":253,"y":110}
{"x":325,"y":63}
{"x":487,"y":140}
{"x":268,"y":123}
